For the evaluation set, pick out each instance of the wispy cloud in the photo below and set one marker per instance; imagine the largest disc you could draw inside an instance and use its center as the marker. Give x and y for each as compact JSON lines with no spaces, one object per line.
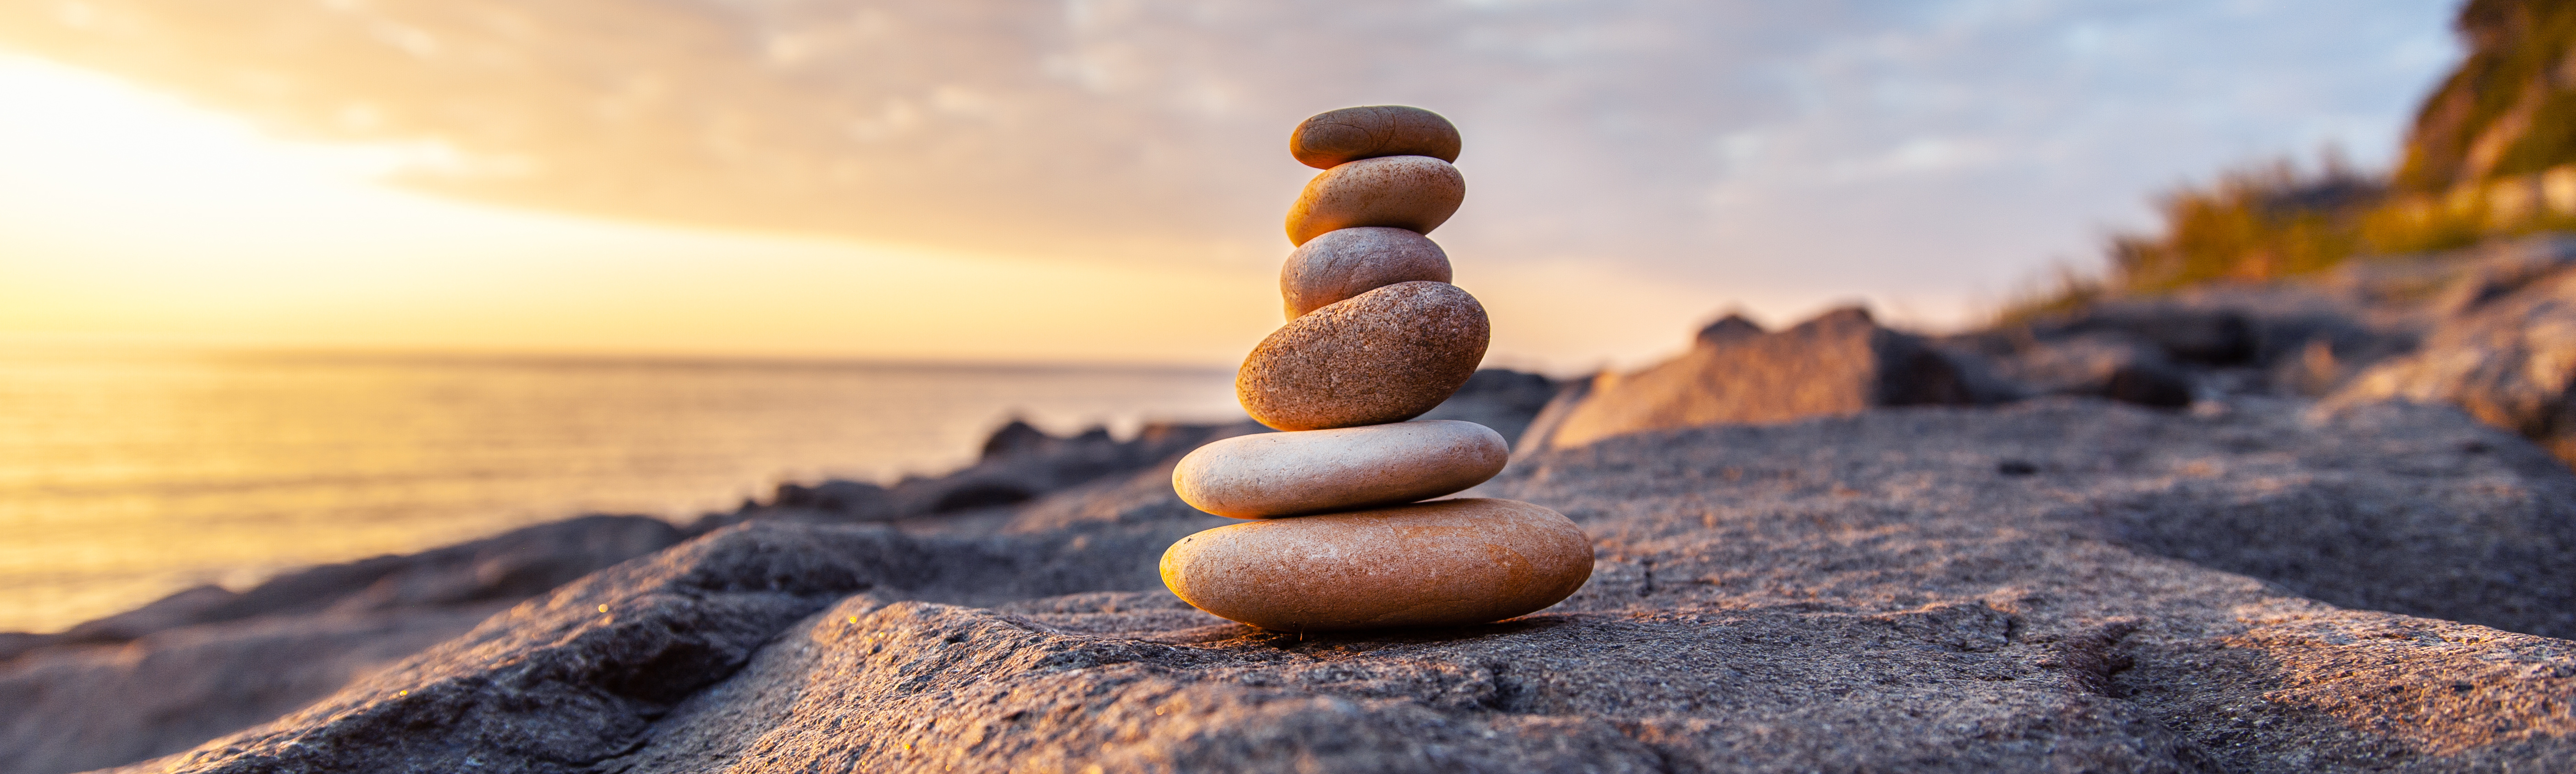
{"x":1746,"y":146}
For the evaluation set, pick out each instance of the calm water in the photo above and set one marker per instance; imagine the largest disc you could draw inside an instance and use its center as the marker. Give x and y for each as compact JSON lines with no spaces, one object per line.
{"x":125,"y":477}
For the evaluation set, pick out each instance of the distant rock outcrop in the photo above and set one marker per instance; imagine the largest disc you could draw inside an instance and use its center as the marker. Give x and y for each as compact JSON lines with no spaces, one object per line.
{"x":2488,"y":329}
{"x":2507,"y":354}
{"x":2109,"y":364}
{"x":1837,"y":364}
{"x":1019,"y":463}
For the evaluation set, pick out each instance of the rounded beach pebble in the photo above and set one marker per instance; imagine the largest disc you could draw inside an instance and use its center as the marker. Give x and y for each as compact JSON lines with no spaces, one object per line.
{"x":1386,"y":355}
{"x":1336,"y":137}
{"x":1440,"y":563}
{"x":1415,"y":193}
{"x":1346,"y":263}
{"x":1285,"y":474}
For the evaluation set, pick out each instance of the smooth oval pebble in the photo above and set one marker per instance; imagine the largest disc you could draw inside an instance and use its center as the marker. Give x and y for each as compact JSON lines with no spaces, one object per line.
{"x":1415,"y":193}
{"x":1285,"y":474}
{"x":1345,"y":263}
{"x":1440,"y":563}
{"x":1336,"y":137}
{"x":1386,"y":355}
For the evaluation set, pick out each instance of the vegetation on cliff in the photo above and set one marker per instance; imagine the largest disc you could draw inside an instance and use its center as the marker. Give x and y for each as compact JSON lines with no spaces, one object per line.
{"x":2492,"y":153}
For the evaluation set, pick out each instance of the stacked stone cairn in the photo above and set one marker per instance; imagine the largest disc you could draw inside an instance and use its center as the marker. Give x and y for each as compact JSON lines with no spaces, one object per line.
{"x":1340,"y":536}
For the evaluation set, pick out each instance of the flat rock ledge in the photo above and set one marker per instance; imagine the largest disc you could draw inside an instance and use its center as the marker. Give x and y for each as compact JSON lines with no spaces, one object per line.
{"x":2059,"y":585}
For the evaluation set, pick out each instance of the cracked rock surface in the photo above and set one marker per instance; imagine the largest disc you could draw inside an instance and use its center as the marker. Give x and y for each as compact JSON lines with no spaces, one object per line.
{"x":2059,"y":585}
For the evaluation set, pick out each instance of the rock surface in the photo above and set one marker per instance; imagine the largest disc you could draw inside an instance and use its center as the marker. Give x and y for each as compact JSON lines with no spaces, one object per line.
{"x":1386,"y":355}
{"x":207,"y":661}
{"x":1414,"y":193}
{"x":1839,"y":363}
{"x":2108,"y":364}
{"x":2507,"y":354}
{"x":1288,"y":474}
{"x":1336,"y":137}
{"x":2057,"y":585}
{"x":1346,"y":263}
{"x":1440,"y":563}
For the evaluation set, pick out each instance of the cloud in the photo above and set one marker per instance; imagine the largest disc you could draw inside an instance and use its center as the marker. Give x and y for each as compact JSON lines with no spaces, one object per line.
{"x":1743,"y":146}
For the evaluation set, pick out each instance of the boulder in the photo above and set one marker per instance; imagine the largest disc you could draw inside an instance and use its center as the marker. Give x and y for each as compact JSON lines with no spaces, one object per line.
{"x":2256,"y":587}
{"x":2204,"y":334}
{"x":1729,"y":329}
{"x":2509,"y":360}
{"x":2105,"y":364}
{"x":2303,"y":337}
{"x":2493,"y":272}
{"x":1020,"y":462}
{"x":1839,"y":363}
{"x":1014,"y":438}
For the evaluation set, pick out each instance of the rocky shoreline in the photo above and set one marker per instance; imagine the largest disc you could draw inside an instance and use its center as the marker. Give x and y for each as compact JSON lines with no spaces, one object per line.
{"x":2188,"y":533}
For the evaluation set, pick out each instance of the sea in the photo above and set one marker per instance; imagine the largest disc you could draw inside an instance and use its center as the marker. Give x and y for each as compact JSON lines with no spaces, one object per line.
{"x":127,"y":475}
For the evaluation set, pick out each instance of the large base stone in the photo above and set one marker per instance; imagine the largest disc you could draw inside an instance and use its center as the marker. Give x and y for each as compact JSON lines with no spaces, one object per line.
{"x":1440,"y":563}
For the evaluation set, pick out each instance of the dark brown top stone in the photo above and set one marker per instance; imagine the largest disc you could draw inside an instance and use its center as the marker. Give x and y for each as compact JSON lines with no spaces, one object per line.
{"x":1336,"y":137}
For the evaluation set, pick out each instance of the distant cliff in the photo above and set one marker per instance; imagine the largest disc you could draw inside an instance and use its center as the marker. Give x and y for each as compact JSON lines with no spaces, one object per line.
{"x":2510,"y":108}
{"x":2492,"y":153}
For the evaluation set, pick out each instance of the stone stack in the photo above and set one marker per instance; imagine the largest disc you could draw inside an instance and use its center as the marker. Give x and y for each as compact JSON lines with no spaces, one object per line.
{"x":1376,"y":336}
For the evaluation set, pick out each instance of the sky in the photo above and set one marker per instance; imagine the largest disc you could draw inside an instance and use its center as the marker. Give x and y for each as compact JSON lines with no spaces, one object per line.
{"x":1103,"y":180}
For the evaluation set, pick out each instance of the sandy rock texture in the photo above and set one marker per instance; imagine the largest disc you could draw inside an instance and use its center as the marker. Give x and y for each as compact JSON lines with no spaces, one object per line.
{"x":1286,"y":474}
{"x":1414,"y":193}
{"x":1840,"y":363}
{"x":1468,"y":560}
{"x":1386,"y":355}
{"x":2066,"y":584}
{"x":1336,"y":137}
{"x":1346,"y":263}
{"x":207,"y":661}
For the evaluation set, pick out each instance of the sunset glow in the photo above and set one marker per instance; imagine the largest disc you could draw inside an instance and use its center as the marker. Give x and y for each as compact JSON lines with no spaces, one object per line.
{"x":131,"y":215}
